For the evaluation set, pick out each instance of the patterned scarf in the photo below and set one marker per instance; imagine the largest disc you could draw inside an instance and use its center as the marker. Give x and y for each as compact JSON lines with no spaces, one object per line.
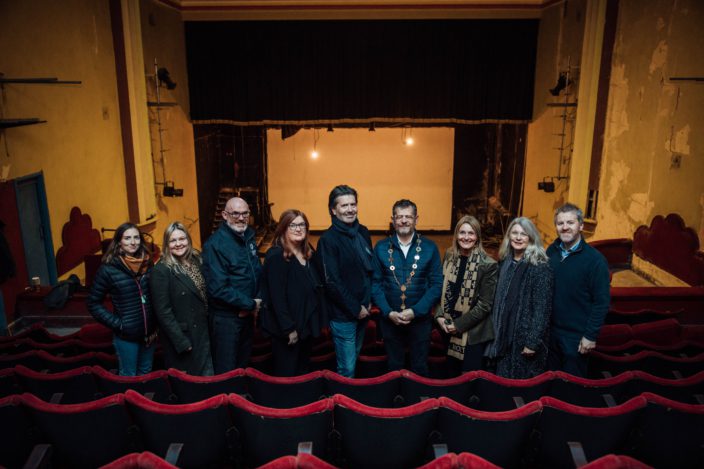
{"x":193,"y":272}
{"x":464,"y":300}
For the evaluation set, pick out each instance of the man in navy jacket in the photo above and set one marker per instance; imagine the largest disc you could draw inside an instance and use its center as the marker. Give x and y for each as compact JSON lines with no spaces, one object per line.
{"x":581,"y":297}
{"x":232,"y":272}
{"x":407,"y":284}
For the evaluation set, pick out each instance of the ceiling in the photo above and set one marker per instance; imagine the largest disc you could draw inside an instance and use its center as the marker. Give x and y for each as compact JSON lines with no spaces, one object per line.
{"x":212,"y":10}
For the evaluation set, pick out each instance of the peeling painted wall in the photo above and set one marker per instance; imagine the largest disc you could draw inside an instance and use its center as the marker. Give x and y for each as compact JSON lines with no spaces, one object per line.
{"x":654,"y":145}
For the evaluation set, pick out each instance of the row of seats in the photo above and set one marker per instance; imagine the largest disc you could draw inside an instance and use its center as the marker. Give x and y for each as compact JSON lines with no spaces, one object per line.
{"x":662,"y":332}
{"x":478,"y":389}
{"x":148,"y":460}
{"x":228,"y":429}
{"x":617,"y":316}
{"x":368,"y":366}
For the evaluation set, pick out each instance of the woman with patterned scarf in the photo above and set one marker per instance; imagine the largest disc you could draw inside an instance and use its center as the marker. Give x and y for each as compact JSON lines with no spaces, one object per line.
{"x":469,"y":281}
{"x":124,"y":275}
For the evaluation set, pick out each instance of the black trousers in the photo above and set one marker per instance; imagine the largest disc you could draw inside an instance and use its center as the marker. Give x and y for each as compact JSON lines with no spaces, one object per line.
{"x":473,"y":360}
{"x":415,"y":336}
{"x":563,"y":355}
{"x":291,"y":360}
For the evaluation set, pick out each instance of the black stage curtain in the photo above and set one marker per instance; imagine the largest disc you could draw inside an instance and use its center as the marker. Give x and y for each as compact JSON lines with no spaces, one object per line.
{"x":349,"y":71}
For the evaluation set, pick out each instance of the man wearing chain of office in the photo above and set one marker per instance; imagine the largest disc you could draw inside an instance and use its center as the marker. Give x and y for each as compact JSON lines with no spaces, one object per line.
{"x":407,"y":283}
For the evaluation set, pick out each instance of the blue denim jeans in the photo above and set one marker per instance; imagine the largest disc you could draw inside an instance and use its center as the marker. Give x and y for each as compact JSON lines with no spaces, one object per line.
{"x":231,"y":341}
{"x":134,"y":358}
{"x":348,"y":338}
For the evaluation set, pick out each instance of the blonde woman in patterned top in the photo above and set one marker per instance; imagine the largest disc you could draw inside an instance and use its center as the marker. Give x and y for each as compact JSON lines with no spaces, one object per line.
{"x":181,"y":305}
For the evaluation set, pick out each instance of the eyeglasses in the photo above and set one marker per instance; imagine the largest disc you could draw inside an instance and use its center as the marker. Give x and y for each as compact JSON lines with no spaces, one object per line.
{"x":296,"y":226}
{"x":237,"y":215}
{"x":404,"y":217}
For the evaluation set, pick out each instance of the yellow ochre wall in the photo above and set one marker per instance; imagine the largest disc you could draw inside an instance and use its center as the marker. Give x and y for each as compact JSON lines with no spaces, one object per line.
{"x":79,"y":149}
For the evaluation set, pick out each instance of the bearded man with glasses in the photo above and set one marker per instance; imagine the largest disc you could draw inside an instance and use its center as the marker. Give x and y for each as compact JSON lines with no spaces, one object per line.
{"x":407,"y":284}
{"x":232,"y":274}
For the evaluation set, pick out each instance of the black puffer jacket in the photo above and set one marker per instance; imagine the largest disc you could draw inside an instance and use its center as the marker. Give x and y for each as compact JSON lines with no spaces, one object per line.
{"x":132,"y":318}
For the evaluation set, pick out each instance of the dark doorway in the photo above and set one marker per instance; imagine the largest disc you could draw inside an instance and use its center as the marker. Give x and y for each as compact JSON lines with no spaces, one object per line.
{"x":488,"y":175}
{"x":230,"y":160}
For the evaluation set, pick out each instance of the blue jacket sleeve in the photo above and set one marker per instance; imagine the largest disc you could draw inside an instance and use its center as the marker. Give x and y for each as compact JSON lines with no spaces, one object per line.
{"x":378,"y":296}
{"x":218,"y":281}
{"x":601,"y":297}
{"x":432,"y":294}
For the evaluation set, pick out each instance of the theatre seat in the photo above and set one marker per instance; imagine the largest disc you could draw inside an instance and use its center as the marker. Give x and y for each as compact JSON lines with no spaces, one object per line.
{"x":264,"y":433}
{"x":373,"y":437}
{"x":188,"y":389}
{"x":154,"y":385}
{"x":589,"y":392}
{"x":493,"y":393}
{"x":285,"y":392}
{"x":688,"y":390}
{"x":613,"y":461}
{"x":459,"y":461}
{"x":651,"y":362}
{"x":498,"y":437}
{"x":144,"y":460}
{"x":84,"y":435}
{"x":371,"y":366}
{"x":205,"y":429}
{"x":8,"y":383}
{"x":680,"y":348}
{"x":326,"y":361}
{"x":300,"y":461}
{"x":67,"y":387}
{"x":416,"y":388}
{"x":670,"y":434}
{"x":597,"y":431}
{"x":382,"y":391}
{"x":18,"y":433}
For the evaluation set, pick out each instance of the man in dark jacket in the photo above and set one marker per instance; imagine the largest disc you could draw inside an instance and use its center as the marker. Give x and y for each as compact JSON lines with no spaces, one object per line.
{"x":232,"y":272}
{"x":581,"y":296}
{"x":345,"y":261}
{"x":407,"y":284}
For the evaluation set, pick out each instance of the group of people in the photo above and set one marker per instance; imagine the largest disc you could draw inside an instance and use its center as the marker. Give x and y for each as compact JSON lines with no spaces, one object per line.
{"x":531,"y":311}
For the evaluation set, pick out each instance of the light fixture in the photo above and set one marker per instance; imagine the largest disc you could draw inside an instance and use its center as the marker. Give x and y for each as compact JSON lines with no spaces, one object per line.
{"x":330,"y":129}
{"x":407,"y":136}
{"x":562,"y":82}
{"x":314,"y":154}
{"x":165,"y":78}
{"x":371,"y":127}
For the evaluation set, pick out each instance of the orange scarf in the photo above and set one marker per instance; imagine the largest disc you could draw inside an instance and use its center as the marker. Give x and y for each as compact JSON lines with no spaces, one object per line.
{"x":138,"y":265}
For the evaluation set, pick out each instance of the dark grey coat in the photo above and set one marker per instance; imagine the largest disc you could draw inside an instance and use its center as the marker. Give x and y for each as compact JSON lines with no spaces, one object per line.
{"x":183,"y":319}
{"x":531,"y":326}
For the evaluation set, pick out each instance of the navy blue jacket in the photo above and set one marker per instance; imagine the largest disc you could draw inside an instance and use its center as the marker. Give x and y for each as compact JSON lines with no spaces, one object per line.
{"x":425,"y":288}
{"x":232,"y":271}
{"x":582,"y":291}
{"x":132,"y":317}
{"x":347,"y":283}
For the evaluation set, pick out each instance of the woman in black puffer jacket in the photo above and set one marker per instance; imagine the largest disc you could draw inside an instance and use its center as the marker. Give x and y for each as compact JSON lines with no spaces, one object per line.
{"x":124,"y":275}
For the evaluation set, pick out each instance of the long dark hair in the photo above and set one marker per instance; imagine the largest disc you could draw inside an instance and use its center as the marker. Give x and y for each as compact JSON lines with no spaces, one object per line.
{"x":114,"y":250}
{"x":285,"y":220}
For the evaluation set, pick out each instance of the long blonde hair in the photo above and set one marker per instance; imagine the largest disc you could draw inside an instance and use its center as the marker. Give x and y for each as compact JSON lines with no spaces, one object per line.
{"x":454,"y":250}
{"x":535,"y":253}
